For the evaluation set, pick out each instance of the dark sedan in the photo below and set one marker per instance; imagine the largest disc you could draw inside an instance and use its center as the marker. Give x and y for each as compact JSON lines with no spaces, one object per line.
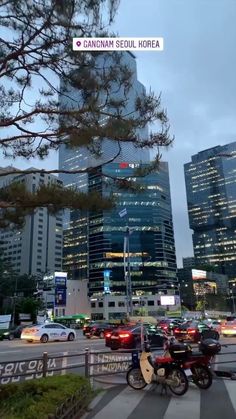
{"x":14,"y":333}
{"x":193,"y":331}
{"x":130,"y":337}
{"x":98,"y":329}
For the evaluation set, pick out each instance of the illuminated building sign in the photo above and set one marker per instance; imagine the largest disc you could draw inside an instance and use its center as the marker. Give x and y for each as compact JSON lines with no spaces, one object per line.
{"x":198,"y":275}
{"x":202,"y":288}
{"x":106,"y":276}
{"x":125,"y":165}
{"x":167,"y":300}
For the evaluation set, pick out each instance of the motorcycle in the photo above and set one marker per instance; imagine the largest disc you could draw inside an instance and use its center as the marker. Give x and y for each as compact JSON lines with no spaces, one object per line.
{"x":163,"y":371}
{"x":198,"y":364}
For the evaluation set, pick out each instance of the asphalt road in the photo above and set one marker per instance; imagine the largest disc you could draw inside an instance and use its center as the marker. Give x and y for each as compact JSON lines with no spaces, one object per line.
{"x":20,"y":350}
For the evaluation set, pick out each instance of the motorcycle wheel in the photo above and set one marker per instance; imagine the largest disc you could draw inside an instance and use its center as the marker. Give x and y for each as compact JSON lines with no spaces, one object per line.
{"x":202,"y":377}
{"x":181,"y":386}
{"x":134,"y":378}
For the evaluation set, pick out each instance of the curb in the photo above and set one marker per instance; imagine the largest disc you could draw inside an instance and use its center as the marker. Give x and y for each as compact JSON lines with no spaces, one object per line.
{"x":109,"y":379}
{"x":93,"y":404}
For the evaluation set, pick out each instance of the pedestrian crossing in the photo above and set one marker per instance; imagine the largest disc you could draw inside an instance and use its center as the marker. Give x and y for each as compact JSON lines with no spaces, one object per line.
{"x":122,"y":402}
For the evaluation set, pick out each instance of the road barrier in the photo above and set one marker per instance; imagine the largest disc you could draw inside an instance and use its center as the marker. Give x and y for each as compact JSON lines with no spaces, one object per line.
{"x":92,"y":363}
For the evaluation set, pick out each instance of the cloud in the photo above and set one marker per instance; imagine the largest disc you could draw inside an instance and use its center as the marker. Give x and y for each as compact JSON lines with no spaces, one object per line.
{"x":196,"y":75}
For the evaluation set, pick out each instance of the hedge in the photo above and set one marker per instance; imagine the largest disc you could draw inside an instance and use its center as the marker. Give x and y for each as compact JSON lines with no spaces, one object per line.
{"x":38,"y":399}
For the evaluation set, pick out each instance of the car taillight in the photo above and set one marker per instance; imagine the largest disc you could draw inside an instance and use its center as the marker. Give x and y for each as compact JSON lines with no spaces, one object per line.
{"x":32,"y":330}
{"x":108,"y":335}
{"x":234,"y":327}
{"x":93,"y":329}
{"x":177,"y":330}
{"x":165,"y":327}
{"x":223,"y":327}
{"x":192,"y":331}
{"x":124,"y":335}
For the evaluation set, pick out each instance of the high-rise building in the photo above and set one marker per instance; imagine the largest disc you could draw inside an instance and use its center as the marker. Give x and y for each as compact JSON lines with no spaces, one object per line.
{"x":93,"y":243}
{"x":211,"y":196}
{"x":189,"y":262}
{"x":149,"y":218}
{"x":37,"y":247}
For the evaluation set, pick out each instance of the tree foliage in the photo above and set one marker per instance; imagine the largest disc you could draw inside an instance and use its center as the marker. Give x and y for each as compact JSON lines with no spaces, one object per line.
{"x":38,"y":68}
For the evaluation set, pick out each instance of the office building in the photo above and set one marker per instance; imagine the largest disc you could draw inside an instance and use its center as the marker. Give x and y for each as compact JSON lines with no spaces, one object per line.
{"x":37,"y":247}
{"x":211,"y":196}
{"x":94,"y":243}
{"x":189,"y":262}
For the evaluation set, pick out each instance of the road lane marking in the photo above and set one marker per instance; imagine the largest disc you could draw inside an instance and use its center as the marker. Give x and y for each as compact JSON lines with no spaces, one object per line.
{"x":231,"y":388}
{"x":123,"y":404}
{"x":186,"y":406}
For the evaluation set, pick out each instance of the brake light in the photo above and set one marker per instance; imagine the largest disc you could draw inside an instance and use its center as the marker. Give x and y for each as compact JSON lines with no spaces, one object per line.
{"x":165,"y":327}
{"x":108,"y":335}
{"x":177,"y":330}
{"x":223,"y":327}
{"x":32,"y":330}
{"x":192,"y":331}
{"x":124,"y":335}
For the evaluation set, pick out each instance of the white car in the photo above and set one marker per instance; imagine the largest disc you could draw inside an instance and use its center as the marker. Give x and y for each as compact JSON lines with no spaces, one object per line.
{"x":47,"y":332}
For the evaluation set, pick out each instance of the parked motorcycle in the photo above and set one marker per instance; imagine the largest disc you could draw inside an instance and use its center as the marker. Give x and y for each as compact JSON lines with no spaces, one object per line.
{"x":163,"y":371}
{"x":199,"y":363}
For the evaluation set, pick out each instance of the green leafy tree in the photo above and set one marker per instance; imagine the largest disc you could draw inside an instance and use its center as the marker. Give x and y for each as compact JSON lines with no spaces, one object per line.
{"x":37,"y":68}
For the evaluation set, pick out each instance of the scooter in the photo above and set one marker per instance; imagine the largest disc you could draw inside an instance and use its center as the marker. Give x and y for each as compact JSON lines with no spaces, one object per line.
{"x":163,"y":370}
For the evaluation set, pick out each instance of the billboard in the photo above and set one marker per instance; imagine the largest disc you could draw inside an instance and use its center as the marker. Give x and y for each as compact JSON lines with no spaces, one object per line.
{"x":60,"y":279}
{"x":106,"y":276}
{"x":5,"y":321}
{"x":198,"y":275}
{"x":167,"y":300}
{"x":206,"y":287}
{"x":60,"y":297}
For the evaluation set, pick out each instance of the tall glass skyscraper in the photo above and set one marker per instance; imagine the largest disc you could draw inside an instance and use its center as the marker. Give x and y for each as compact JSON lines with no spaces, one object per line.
{"x":211,"y":196}
{"x":94,"y":243}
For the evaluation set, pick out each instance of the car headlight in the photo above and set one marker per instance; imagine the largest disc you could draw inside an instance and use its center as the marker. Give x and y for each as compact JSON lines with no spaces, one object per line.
{"x":6,"y":333}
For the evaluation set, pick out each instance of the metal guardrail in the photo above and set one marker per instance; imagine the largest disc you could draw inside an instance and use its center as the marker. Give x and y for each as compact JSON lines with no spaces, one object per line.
{"x":48,"y":365}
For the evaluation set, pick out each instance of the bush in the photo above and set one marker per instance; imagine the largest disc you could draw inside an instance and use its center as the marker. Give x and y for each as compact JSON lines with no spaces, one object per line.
{"x":36,"y":399}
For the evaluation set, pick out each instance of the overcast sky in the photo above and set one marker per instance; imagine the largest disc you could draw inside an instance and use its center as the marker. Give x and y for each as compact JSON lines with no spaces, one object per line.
{"x":196,"y":74}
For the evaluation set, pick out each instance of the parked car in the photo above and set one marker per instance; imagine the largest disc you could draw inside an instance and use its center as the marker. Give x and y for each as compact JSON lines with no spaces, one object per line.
{"x":193,"y":331}
{"x":48,"y":332}
{"x":229,"y":328}
{"x":130,"y":337}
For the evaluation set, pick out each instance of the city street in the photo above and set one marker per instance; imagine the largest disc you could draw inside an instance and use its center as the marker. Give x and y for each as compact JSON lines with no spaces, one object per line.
{"x":126,"y":403}
{"x":18,"y":349}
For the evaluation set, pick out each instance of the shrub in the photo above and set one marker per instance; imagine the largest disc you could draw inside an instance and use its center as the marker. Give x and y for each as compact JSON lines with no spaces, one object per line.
{"x":36,"y":399}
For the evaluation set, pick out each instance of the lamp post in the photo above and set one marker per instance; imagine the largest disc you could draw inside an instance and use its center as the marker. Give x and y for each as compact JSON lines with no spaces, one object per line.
{"x":232,"y":296}
{"x":127,"y":273}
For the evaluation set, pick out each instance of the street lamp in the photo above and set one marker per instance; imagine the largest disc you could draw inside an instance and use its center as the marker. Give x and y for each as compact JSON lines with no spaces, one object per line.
{"x":232,"y":296}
